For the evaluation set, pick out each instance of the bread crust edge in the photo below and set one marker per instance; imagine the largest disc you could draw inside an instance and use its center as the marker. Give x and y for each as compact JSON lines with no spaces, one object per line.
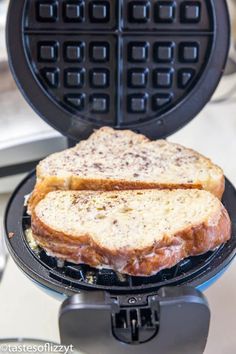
{"x":50,"y":184}
{"x":192,"y":241}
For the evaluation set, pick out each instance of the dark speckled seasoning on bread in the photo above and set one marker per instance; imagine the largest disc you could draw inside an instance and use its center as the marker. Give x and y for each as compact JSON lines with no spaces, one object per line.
{"x":121,"y":160}
{"x":133,"y":232}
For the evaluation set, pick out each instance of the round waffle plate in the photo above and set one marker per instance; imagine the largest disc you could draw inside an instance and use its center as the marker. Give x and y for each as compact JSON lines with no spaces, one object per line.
{"x":148,"y":65}
{"x":69,"y":278}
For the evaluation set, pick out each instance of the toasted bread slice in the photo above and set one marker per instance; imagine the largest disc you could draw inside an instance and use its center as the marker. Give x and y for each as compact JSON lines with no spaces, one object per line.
{"x":133,"y":232}
{"x":112,"y":159}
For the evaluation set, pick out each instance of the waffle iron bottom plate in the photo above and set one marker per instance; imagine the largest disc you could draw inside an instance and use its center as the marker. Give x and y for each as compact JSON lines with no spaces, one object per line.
{"x":68,"y":278}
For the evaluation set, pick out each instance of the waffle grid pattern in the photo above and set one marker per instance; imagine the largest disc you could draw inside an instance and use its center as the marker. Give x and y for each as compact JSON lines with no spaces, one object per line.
{"x":118,"y":62}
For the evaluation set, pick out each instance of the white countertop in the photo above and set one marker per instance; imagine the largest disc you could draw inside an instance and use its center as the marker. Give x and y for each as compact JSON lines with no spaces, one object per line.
{"x":28,"y":312}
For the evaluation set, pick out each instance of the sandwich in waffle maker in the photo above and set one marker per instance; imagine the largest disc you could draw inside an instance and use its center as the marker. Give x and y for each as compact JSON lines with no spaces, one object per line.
{"x":145,"y":65}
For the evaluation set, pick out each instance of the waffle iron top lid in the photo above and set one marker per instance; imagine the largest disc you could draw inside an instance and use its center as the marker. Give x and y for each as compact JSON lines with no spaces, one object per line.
{"x":146,"y":65}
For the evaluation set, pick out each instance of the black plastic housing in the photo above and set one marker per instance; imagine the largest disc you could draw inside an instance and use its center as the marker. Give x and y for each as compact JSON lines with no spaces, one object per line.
{"x":171,"y":321}
{"x":149,"y":66}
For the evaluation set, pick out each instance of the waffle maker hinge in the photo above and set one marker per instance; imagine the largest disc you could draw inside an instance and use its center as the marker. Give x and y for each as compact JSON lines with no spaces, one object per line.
{"x":175,"y":320}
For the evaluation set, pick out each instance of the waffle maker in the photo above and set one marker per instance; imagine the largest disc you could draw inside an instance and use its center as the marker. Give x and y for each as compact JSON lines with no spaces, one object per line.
{"x":145,"y":65}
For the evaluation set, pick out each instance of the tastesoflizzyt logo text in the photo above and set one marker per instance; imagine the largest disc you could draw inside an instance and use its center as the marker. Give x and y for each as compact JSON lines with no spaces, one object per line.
{"x":45,"y":348}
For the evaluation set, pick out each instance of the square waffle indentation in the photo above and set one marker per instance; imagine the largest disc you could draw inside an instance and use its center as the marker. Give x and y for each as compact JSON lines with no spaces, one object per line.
{"x":163,"y":52}
{"x":74,"y":51}
{"x":74,"y":78}
{"x":47,"y":11}
{"x":190,"y":12}
{"x":73,"y":11}
{"x":99,"y":77}
{"x":139,"y":11}
{"x":137,"y":78}
{"x":48,"y":51}
{"x":100,"y":103}
{"x":138,"y":51}
{"x":99,"y":11}
{"x":165,"y":11}
{"x":99,"y":51}
{"x":189,"y":52}
{"x":162,"y":78}
{"x":137,"y":103}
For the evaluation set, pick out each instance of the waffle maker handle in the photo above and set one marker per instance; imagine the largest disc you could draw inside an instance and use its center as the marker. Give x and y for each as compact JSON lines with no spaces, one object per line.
{"x":175,"y":320}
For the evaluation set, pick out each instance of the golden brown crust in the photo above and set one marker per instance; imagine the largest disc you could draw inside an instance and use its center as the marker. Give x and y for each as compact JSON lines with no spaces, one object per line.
{"x":140,"y":262}
{"x":46,"y":182}
{"x":77,"y":183}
